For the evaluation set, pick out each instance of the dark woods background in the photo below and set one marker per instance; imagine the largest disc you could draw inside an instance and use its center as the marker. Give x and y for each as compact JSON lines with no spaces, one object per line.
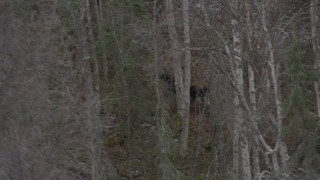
{"x":88,"y":90}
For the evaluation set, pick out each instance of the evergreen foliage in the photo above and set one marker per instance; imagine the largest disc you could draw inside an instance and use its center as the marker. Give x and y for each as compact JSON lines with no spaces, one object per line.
{"x":302,"y":127}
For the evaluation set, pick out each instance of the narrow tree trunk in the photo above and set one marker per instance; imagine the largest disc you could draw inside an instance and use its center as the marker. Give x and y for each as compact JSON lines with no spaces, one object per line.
{"x":182,"y":75}
{"x":315,"y":46}
{"x":88,"y":26}
{"x":175,"y":54}
{"x":186,"y":85}
{"x":235,"y":166}
{"x":126,"y":95}
{"x":252,"y":92}
{"x":275,"y":163}
{"x":280,"y":145}
{"x":199,"y":142}
{"x":102,"y":62}
{"x":94,"y":125}
{"x":240,"y":129}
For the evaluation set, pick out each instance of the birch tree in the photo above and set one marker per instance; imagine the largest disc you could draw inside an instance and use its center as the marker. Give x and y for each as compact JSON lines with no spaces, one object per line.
{"x":181,"y":69}
{"x":240,"y":141}
{"x":280,"y":146}
{"x":252,"y":90}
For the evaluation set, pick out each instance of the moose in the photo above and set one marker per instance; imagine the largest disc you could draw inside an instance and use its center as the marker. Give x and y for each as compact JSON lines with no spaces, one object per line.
{"x":194,"y":91}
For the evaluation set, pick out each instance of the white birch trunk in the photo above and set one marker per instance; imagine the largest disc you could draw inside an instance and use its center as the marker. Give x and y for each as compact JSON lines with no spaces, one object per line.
{"x":252,"y":93}
{"x":280,"y":145}
{"x":176,"y":62}
{"x":240,"y":129}
{"x":182,"y":75}
{"x":271,"y":64}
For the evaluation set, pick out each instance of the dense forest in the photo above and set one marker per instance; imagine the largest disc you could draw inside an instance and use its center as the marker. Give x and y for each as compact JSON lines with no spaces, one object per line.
{"x":159,"y":89}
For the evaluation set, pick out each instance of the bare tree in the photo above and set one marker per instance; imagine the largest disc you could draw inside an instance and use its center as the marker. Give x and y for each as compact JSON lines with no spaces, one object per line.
{"x":252,"y":90}
{"x":186,"y":79}
{"x":314,"y":5}
{"x":181,"y":70}
{"x":240,"y":139}
{"x":280,"y":144}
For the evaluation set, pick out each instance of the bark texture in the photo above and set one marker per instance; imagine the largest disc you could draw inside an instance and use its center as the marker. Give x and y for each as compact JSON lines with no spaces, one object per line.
{"x":241,"y":147}
{"x":181,"y":69}
{"x":314,"y":5}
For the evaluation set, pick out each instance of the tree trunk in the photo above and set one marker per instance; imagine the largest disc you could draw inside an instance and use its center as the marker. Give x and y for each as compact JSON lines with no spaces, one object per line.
{"x":271,"y":63}
{"x":315,"y":46}
{"x":280,"y":145}
{"x":252,"y":92}
{"x":95,"y":124}
{"x":199,"y":142}
{"x":181,"y":75}
{"x":90,"y":41}
{"x":186,"y":85}
{"x":101,"y":60}
{"x":240,"y":129}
